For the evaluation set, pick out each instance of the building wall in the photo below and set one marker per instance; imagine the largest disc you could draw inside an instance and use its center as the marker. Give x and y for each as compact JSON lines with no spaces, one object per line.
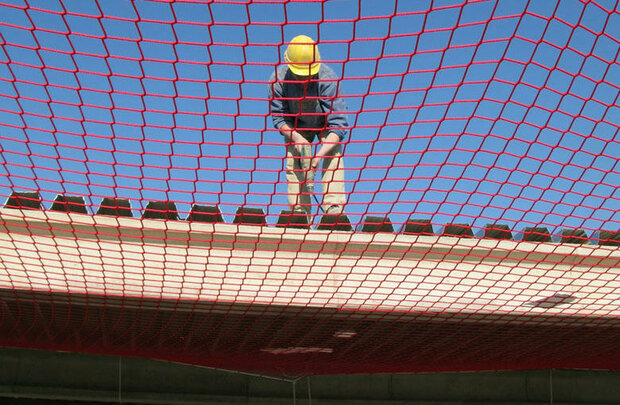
{"x":57,"y":377}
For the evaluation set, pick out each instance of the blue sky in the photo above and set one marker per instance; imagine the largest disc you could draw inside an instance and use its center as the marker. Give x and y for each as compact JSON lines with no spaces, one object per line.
{"x":466,"y":112}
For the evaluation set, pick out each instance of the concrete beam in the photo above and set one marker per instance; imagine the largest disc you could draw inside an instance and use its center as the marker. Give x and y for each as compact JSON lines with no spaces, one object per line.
{"x":69,"y":252}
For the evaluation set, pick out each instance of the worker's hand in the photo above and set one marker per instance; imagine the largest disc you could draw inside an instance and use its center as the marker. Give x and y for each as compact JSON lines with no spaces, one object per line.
{"x":299,"y":142}
{"x":315,"y":163}
{"x":328,"y":144}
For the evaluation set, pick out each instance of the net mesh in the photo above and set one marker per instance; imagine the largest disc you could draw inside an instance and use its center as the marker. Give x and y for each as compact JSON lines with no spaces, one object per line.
{"x":146,"y":207}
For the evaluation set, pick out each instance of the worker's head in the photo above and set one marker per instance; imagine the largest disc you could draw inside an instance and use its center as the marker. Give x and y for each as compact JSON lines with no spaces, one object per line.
{"x":302,"y":56}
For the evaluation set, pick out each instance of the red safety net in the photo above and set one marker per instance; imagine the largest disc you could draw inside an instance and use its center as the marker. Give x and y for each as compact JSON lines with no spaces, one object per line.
{"x":145,"y":186}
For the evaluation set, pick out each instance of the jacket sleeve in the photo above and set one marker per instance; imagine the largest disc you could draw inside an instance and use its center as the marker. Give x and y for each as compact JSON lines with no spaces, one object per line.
{"x":277,"y":106}
{"x":335,"y":108}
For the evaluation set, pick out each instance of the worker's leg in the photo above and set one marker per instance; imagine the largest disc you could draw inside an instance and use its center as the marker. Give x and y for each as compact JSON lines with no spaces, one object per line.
{"x":299,"y":177}
{"x":334,"y":197}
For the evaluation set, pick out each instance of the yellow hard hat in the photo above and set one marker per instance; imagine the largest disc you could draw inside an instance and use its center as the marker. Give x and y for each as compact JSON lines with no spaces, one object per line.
{"x":302,"y":56}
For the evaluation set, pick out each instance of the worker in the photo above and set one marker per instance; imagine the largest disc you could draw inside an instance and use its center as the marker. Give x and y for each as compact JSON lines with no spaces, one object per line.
{"x":306,"y":104}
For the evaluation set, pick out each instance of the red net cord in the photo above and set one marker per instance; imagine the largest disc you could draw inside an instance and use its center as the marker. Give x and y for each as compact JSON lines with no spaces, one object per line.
{"x":467,"y":217}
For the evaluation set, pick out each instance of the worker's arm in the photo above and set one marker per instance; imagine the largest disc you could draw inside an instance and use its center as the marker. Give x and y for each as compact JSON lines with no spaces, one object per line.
{"x":278,"y":105}
{"x":336,"y":119}
{"x":334,"y":106}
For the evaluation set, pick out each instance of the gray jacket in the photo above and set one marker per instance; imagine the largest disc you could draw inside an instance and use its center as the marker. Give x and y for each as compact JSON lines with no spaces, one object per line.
{"x":315,"y":105}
